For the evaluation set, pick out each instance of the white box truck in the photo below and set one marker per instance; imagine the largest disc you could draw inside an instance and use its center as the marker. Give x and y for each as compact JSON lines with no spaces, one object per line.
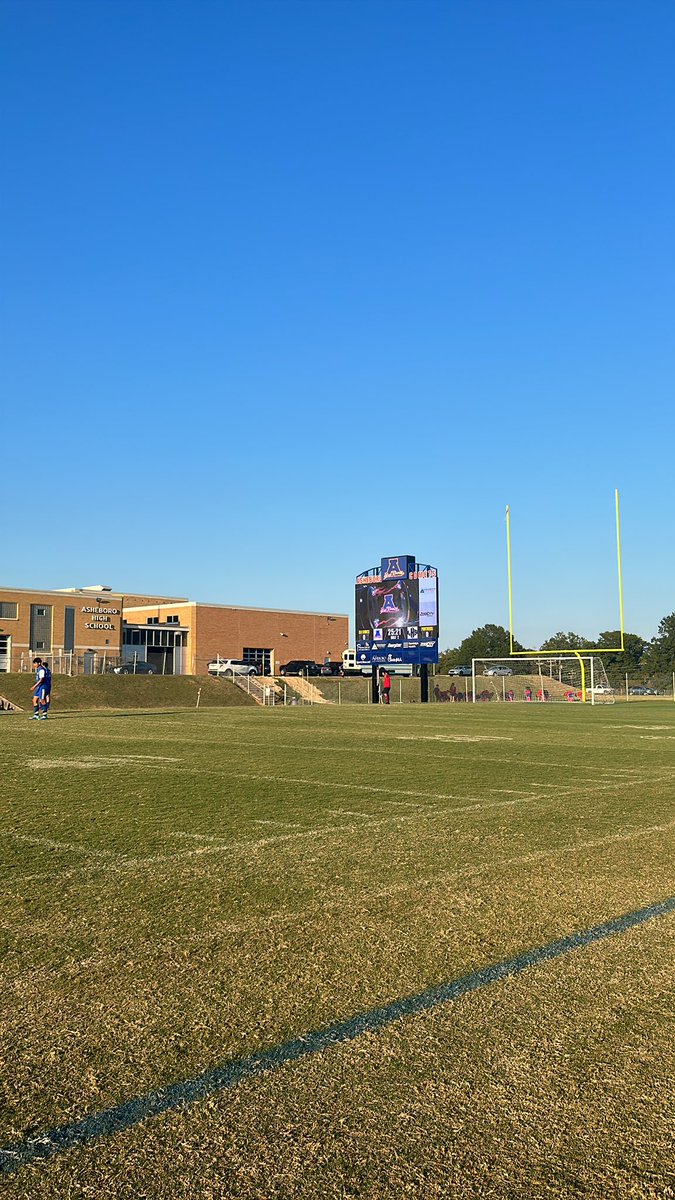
{"x":350,"y":666}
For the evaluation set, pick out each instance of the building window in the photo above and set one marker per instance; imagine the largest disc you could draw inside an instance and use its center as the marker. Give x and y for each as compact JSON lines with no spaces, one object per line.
{"x":39,"y":645}
{"x":172,"y":621}
{"x":153,"y":621}
{"x":40,"y":612}
{"x":9,"y":611}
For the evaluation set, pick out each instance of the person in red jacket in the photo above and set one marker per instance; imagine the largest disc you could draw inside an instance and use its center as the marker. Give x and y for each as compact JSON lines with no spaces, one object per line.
{"x":386,"y":687}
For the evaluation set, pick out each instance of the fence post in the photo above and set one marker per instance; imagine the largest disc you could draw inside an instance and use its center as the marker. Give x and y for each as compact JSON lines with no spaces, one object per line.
{"x":199,"y":692}
{"x":400,"y":691}
{"x":627,"y":696}
{"x":339,"y":691}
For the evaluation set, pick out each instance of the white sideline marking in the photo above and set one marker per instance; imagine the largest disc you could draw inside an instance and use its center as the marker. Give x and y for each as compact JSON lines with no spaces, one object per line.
{"x":657,"y":737}
{"x":538,"y":762}
{"x":49,"y":844}
{"x":198,"y":837}
{"x":639,"y":727}
{"x":348,"y":812}
{"x":281,"y":824}
{"x":450,"y":737}
{"x":91,"y":762}
{"x":227,"y":847}
{"x":356,"y":787}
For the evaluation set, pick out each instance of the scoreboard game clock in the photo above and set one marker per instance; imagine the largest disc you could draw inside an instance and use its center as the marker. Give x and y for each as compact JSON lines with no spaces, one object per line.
{"x":397,"y":613}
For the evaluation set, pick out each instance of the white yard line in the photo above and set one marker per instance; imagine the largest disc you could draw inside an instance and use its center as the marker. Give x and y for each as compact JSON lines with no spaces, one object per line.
{"x":341,"y":897}
{"x":121,"y":862}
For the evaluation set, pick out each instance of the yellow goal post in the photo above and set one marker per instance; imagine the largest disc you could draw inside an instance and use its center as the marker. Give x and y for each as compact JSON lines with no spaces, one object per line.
{"x":565,"y":651}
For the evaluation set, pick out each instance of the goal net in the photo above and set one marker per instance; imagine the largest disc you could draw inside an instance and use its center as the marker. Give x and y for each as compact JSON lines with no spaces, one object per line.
{"x":542,"y":679}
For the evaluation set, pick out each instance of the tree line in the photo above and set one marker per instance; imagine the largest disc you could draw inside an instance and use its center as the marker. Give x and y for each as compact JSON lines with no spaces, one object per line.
{"x":642,"y":660}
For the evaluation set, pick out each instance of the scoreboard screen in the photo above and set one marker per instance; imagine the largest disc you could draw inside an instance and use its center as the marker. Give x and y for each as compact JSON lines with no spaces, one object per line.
{"x":397,"y":613}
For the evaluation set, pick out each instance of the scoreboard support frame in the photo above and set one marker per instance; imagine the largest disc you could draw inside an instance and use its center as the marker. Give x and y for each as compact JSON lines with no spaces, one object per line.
{"x":397,"y":632}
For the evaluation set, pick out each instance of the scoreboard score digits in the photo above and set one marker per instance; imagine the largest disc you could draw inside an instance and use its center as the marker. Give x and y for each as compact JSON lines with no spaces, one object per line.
{"x":397,"y":613}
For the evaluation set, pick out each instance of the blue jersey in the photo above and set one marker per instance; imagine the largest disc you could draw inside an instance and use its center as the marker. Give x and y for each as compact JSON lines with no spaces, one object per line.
{"x":43,"y":677}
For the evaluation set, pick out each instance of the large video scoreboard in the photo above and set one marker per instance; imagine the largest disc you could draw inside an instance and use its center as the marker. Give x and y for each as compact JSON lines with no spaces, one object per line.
{"x":397,"y":613}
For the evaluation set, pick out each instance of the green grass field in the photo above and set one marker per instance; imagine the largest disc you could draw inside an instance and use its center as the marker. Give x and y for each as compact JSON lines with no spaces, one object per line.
{"x":87,"y":692}
{"x":182,"y":889}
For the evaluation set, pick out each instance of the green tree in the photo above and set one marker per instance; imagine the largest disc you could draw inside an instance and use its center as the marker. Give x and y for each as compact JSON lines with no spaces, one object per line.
{"x":449,"y":658}
{"x":618,"y":663}
{"x":489,"y":641}
{"x":565,"y":641}
{"x":659,"y":657}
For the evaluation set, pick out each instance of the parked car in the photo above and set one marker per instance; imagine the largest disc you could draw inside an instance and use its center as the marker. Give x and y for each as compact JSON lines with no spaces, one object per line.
{"x":459,"y":671}
{"x":640,"y":691}
{"x":136,"y":668}
{"x":331,"y":668}
{"x":497,"y":670}
{"x":600,"y":690}
{"x":231,"y":667}
{"x":300,"y":666}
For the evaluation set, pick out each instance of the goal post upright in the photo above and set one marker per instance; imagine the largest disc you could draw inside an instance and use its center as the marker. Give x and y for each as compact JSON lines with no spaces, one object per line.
{"x":510,"y":575}
{"x":618,"y":562}
{"x":566,"y":650}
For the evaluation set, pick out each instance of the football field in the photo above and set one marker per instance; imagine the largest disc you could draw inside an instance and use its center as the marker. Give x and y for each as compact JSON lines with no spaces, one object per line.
{"x":418,"y":951}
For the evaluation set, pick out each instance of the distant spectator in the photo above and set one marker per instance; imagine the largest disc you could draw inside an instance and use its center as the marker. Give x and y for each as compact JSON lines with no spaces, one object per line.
{"x":528,"y":693}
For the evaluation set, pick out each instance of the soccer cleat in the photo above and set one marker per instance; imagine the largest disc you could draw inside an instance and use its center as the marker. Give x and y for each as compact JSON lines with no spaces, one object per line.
{"x":42,"y":717}
{"x":35,"y":717}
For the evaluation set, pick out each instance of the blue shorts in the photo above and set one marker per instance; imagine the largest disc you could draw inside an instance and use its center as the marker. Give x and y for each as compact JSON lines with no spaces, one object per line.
{"x":41,"y":693}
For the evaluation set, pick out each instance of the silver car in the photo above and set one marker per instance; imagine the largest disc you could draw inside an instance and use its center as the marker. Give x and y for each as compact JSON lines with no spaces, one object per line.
{"x":497,"y":670}
{"x":231,"y":667}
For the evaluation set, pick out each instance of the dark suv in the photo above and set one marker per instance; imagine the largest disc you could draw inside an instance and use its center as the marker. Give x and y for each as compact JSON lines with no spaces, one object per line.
{"x":300,"y":666}
{"x":331,"y":668}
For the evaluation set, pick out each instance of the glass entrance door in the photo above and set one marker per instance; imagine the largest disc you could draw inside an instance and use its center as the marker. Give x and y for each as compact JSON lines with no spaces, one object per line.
{"x":5,"y":652}
{"x":261,"y":658}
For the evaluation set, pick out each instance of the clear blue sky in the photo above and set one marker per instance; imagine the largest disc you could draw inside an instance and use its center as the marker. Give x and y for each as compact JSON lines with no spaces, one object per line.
{"x":291,"y":286}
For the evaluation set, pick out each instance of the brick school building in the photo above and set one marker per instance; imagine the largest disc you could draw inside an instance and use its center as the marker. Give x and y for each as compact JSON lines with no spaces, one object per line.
{"x":91,"y":629}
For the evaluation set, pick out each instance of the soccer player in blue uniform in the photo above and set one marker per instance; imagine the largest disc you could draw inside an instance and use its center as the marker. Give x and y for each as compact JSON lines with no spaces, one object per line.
{"x":41,"y":690}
